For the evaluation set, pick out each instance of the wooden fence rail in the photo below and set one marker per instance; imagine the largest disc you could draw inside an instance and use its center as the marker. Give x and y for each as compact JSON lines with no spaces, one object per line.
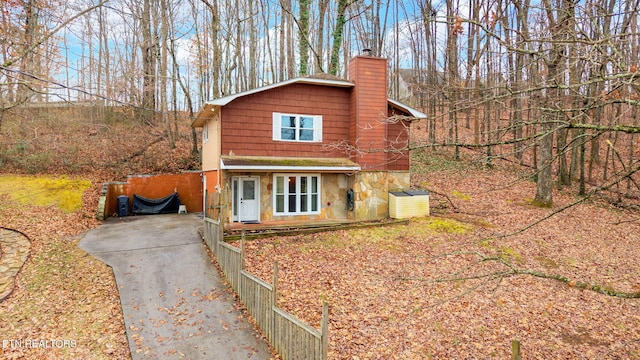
{"x":291,"y":337}
{"x":230,"y":260}
{"x":257,"y":295}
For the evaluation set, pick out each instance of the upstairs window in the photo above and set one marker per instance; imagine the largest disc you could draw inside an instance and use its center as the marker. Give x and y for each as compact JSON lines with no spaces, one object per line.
{"x":292,"y":127}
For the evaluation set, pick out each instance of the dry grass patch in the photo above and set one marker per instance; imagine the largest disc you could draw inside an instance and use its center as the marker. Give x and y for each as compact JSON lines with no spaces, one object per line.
{"x":61,"y":192}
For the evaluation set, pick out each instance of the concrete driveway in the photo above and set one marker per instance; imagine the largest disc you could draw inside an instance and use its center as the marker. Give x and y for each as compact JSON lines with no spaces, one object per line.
{"x":173,"y":300}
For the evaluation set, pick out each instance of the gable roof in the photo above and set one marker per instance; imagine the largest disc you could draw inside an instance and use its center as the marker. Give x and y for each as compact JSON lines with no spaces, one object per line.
{"x":211,"y":107}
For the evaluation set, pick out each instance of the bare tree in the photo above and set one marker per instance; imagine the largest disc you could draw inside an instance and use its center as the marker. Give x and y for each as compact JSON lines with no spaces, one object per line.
{"x":164,"y":69}
{"x":319,"y":50}
{"x":149,"y":49}
{"x":303,"y":31}
{"x":338,"y":32}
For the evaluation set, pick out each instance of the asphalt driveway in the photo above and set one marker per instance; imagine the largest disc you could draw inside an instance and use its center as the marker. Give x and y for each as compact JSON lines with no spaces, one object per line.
{"x":173,"y":300}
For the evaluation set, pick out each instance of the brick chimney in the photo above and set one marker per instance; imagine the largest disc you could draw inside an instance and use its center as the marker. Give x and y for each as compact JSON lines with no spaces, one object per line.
{"x":368,"y":109}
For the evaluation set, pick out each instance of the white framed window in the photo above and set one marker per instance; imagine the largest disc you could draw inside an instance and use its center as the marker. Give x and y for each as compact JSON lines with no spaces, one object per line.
{"x":295,"y":127}
{"x":296,"y":194}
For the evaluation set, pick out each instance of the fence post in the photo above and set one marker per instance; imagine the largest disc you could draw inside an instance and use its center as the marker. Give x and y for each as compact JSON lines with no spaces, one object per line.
{"x":274,"y":304}
{"x":215,"y":203}
{"x":242,"y":250}
{"x":325,"y":330}
{"x":515,"y":350}
{"x":275,"y":283}
{"x":240,"y":289}
{"x":206,"y":203}
{"x":220,"y":227}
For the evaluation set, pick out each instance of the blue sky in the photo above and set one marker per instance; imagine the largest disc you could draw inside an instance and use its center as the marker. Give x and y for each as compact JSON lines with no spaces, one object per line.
{"x":117,"y":15}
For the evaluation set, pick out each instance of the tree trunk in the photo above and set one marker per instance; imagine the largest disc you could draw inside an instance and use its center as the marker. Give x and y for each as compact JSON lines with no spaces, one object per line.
{"x":303,"y":36}
{"x":471,"y":58}
{"x":337,"y":37}
{"x":282,"y":47}
{"x":149,"y":49}
{"x":322,"y":10}
{"x":28,"y":63}
{"x":544,"y":190}
{"x":522,"y":15}
{"x":253,"y":61}
{"x":454,"y":29}
{"x":164,"y":73}
{"x":433,"y":81}
{"x":560,"y":26}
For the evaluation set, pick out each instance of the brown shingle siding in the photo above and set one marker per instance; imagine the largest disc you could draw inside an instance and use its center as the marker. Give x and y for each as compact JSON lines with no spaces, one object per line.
{"x":353,"y":114}
{"x":247,"y":121}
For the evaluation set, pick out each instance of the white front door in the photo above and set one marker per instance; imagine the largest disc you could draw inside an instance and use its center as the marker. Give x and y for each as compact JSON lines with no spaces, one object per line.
{"x":246,"y":198}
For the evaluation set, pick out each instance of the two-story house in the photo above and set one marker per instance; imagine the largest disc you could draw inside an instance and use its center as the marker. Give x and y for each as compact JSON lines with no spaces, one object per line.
{"x":312,"y":148}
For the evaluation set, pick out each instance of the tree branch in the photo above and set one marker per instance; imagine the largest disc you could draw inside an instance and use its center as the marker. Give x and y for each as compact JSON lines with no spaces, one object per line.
{"x":512,"y":271}
{"x":49,"y":35}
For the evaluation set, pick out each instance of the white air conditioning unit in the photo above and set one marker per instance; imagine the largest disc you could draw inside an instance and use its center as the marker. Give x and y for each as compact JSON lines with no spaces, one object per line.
{"x":408,"y":203}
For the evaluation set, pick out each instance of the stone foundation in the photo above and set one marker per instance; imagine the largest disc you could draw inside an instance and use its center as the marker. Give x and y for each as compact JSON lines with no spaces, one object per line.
{"x":371,"y":190}
{"x":333,"y":199}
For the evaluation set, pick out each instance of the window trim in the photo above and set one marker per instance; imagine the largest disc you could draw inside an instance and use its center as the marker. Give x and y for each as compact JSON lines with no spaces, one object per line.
{"x":277,"y":127}
{"x":298,"y":194}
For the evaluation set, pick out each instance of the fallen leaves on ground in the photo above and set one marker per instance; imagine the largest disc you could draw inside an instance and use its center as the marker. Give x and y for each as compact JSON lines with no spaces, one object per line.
{"x":62,"y":293}
{"x":419,"y":290}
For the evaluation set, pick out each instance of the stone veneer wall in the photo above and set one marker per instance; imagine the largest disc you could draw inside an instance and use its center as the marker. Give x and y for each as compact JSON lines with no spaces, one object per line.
{"x":333,"y":199}
{"x":371,"y":190}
